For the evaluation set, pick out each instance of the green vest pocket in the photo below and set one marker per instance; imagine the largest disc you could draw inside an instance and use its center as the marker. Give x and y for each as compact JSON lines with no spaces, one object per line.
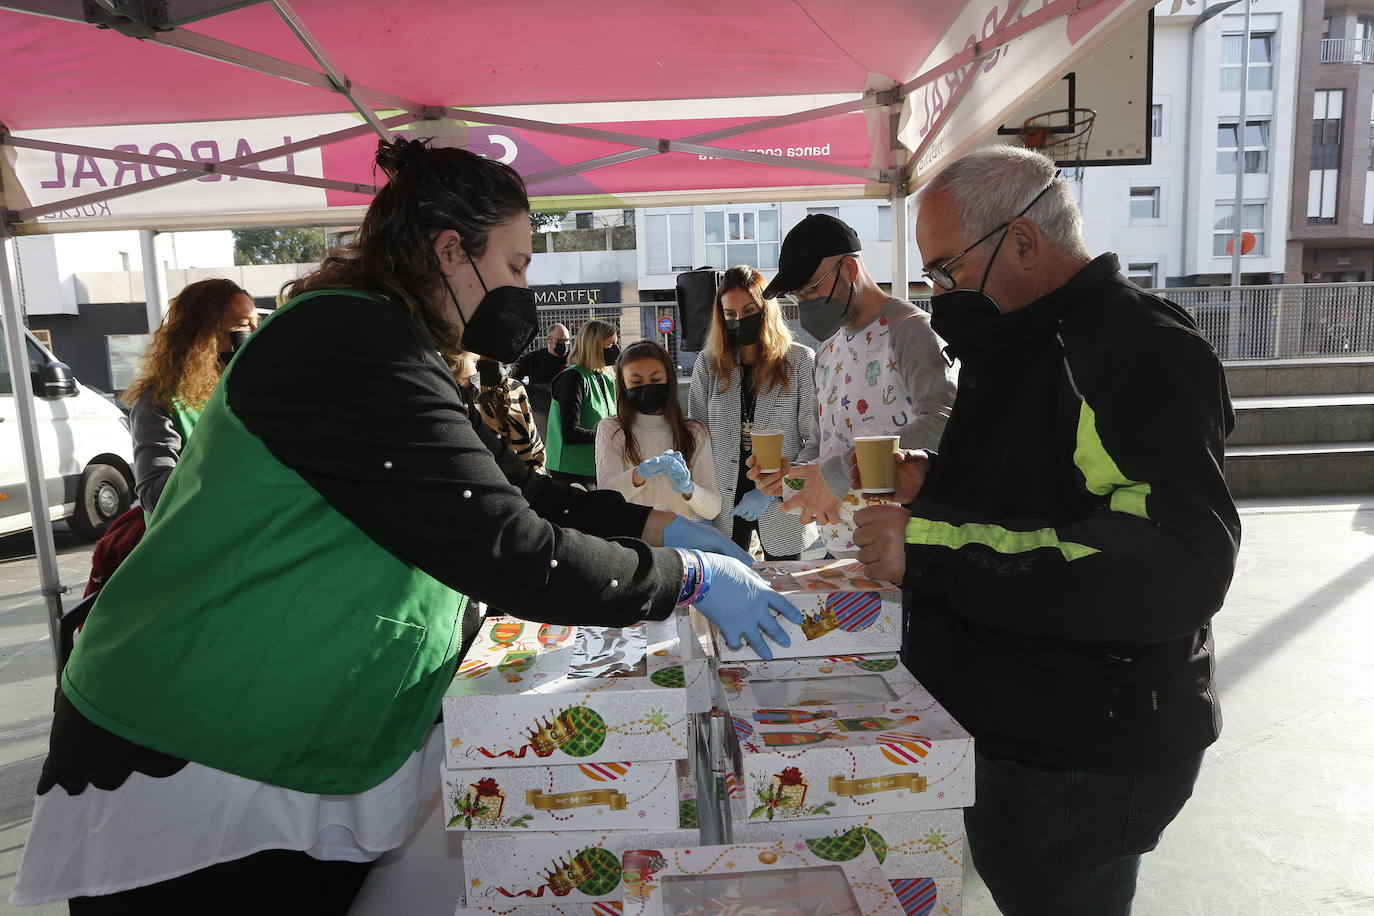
{"x":319,"y":636}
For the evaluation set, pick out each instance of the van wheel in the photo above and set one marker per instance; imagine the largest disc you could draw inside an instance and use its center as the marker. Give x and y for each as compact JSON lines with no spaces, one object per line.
{"x":101,"y":498}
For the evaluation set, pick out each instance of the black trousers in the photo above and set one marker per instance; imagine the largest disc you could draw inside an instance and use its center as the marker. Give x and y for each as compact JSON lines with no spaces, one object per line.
{"x":275,"y":882}
{"x":741,"y":533}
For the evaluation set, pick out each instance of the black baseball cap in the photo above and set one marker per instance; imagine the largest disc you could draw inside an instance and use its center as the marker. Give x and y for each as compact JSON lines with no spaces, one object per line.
{"x":811,"y":241}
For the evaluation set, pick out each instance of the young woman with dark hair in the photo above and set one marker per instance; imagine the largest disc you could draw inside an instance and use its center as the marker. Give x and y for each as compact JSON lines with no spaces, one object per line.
{"x":752,"y":374}
{"x":205,"y":324}
{"x":649,"y":452}
{"x":246,"y":721}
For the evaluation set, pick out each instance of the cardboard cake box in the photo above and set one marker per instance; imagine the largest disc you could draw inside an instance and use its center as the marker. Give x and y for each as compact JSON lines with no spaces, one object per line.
{"x":844,"y":610}
{"x":630,"y":795}
{"x":577,"y":867}
{"x":600,"y":908}
{"x":761,"y":879}
{"x":823,"y":738}
{"x":924,"y":843}
{"x":531,"y":694}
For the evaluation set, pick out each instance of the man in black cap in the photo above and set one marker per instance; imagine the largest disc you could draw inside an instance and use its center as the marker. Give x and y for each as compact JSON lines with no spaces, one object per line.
{"x":879,"y":371}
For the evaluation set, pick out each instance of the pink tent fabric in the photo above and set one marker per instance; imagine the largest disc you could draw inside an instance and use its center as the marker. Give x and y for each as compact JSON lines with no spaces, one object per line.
{"x":637,"y":76}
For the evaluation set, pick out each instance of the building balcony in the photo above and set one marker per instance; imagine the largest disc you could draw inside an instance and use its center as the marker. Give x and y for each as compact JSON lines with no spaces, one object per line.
{"x":1347,"y":51}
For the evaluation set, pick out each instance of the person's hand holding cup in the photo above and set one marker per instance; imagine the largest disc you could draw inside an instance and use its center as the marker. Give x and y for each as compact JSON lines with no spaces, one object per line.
{"x":766,"y":466}
{"x":911,"y":468}
{"x":876,"y":458}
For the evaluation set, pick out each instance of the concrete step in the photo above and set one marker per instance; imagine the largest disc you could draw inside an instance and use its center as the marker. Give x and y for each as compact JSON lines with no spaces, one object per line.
{"x":1294,"y":469}
{"x":1312,"y":376}
{"x":1303,"y":418}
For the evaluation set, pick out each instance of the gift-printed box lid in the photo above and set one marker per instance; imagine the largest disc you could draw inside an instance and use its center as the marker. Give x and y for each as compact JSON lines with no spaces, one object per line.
{"x":598,"y":908}
{"x":843,"y":610}
{"x":528,"y":692}
{"x":557,"y":867}
{"x":925,"y":843}
{"x":855,"y":684}
{"x":760,"y":879}
{"x":629,"y":795}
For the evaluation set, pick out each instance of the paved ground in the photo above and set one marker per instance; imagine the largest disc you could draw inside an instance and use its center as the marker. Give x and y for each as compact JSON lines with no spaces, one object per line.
{"x":1283,"y":818}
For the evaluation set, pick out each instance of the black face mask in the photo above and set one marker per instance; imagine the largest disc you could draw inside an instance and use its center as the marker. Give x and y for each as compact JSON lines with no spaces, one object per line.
{"x":560,"y":348}
{"x":967,"y":319}
{"x":611,"y":354}
{"x":488,"y":372}
{"x":745,"y":331}
{"x":821,"y":318}
{"x":504,"y":322}
{"x":648,"y":398}
{"x":236,"y":341}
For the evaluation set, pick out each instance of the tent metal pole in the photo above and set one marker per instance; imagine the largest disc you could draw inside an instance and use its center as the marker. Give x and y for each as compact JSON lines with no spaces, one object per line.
{"x":262,"y":156}
{"x":982,"y":49}
{"x":35,"y":482}
{"x":587,"y":165}
{"x":800,"y":117}
{"x":342,"y":84}
{"x":898,"y":197}
{"x":228,"y":53}
{"x":154,"y":279}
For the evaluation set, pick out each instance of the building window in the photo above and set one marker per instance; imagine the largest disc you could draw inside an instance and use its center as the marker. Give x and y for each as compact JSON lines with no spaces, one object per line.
{"x":1256,"y":148}
{"x":1145,"y":203}
{"x":1144,"y":274}
{"x":884,"y":222}
{"x":668,"y":243}
{"x":1253,"y":220}
{"x":1156,"y":120}
{"x":583,"y":220}
{"x":742,"y":235}
{"x":1327,"y":105}
{"x":1261,"y":61}
{"x":828,"y":211}
{"x":627,"y":217}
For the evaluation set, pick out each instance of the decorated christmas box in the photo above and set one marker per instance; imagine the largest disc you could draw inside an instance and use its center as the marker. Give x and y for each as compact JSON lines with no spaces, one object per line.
{"x":759,"y":879}
{"x":506,"y":870}
{"x":539,"y":695}
{"x":822,"y":738}
{"x":633,"y":795}
{"x":844,"y":611}
{"x":600,"y":908}
{"x":930,"y":896}
{"x":927,"y":843}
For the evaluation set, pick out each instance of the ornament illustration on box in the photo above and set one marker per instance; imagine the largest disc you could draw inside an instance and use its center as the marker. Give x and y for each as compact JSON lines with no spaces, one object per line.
{"x":591,"y":871}
{"x":481,"y":803}
{"x":784,"y":795}
{"x":848,"y":844}
{"x":576,"y":731}
{"x":505,"y":634}
{"x":640,"y":865}
{"x":551,"y":634}
{"x":917,"y":896}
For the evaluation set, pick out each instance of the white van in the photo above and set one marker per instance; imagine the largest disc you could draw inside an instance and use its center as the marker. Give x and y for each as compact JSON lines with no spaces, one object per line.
{"x":88,"y":455}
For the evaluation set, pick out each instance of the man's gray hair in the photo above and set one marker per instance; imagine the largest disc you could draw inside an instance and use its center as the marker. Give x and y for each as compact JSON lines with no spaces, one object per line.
{"x":989,"y":186}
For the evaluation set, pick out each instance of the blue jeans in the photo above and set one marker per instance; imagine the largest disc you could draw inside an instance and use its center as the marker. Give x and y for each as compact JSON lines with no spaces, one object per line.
{"x":1068,"y":843}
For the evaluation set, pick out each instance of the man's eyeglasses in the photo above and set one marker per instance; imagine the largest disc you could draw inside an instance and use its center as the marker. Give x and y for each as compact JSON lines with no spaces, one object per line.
{"x":798,"y":296}
{"x":939,"y":274}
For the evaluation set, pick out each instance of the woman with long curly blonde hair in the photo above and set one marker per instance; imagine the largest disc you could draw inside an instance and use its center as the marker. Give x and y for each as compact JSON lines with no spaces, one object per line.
{"x":205,"y":324}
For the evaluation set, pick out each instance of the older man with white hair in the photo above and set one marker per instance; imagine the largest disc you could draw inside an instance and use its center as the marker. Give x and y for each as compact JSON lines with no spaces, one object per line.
{"x":1066,"y":549}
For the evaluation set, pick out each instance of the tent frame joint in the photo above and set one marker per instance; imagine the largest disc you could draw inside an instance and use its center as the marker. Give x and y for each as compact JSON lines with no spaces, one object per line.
{"x":888,"y":97}
{"x":140,"y":19}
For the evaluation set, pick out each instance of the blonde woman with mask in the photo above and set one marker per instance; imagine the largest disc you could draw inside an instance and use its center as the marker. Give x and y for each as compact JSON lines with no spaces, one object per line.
{"x":583,"y":396}
{"x":752,"y":374}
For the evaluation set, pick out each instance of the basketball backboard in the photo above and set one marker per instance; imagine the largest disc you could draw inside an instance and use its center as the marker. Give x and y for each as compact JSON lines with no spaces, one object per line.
{"x":1115,"y":81}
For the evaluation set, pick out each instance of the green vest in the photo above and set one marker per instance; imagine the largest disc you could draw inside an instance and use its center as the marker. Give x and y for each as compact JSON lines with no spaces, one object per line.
{"x":597,"y":404}
{"x":258,"y":631}
{"x":185,"y":419}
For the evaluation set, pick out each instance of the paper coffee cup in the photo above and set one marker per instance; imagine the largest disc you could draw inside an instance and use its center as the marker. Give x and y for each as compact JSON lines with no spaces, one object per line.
{"x":767,"y":450}
{"x":877,"y":457}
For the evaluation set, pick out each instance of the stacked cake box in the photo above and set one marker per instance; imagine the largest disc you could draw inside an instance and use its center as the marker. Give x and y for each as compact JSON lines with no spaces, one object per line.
{"x":567,"y":747}
{"x":836,"y":748}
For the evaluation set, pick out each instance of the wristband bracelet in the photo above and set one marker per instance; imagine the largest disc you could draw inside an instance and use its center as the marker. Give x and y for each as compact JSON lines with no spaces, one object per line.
{"x":691,"y":576}
{"x":704,"y":583}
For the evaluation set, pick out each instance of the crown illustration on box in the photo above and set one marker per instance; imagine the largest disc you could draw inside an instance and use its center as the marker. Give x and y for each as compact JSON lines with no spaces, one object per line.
{"x":820,"y":624}
{"x":566,"y":875}
{"x":548,"y":736}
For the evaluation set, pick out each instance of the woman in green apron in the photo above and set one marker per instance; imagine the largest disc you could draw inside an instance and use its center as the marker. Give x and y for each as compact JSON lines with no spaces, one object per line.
{"x":247,"y":713}
{"x":583,"y":396}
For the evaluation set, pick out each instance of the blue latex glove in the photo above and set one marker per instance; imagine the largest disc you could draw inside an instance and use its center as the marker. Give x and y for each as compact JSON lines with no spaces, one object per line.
{"x":652,"y":467}
{"x":753,"y":504}
{"x":678,"y":473}
{"x":690,"y":535}
{"x":741,"y":606}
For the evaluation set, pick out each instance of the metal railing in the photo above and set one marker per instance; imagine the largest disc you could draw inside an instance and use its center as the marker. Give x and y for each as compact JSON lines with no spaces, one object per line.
{"x":1347,"y":51}
{"x":1294,"y":321}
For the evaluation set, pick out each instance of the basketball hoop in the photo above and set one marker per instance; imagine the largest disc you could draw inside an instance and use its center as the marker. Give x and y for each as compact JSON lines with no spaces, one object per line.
{"x":1062,"y":134}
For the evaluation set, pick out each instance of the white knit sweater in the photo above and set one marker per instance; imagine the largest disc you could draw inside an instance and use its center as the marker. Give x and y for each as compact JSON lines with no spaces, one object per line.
{"x":614,"y":472}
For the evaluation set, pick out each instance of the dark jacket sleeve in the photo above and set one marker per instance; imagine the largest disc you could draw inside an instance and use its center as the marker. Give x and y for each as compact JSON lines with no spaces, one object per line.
{"x":351,"y":395}
{"x":157,"y":448}
{"x":1154,"y":561}
{"x":569,"y":390}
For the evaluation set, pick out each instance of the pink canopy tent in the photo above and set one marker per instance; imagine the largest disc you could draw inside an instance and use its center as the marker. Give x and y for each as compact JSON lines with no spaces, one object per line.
{"x":162,"y":114}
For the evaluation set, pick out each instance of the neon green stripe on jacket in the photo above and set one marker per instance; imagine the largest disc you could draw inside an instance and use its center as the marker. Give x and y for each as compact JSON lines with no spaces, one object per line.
{"x":926,"y":532}
{"x":1100,"y":472}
